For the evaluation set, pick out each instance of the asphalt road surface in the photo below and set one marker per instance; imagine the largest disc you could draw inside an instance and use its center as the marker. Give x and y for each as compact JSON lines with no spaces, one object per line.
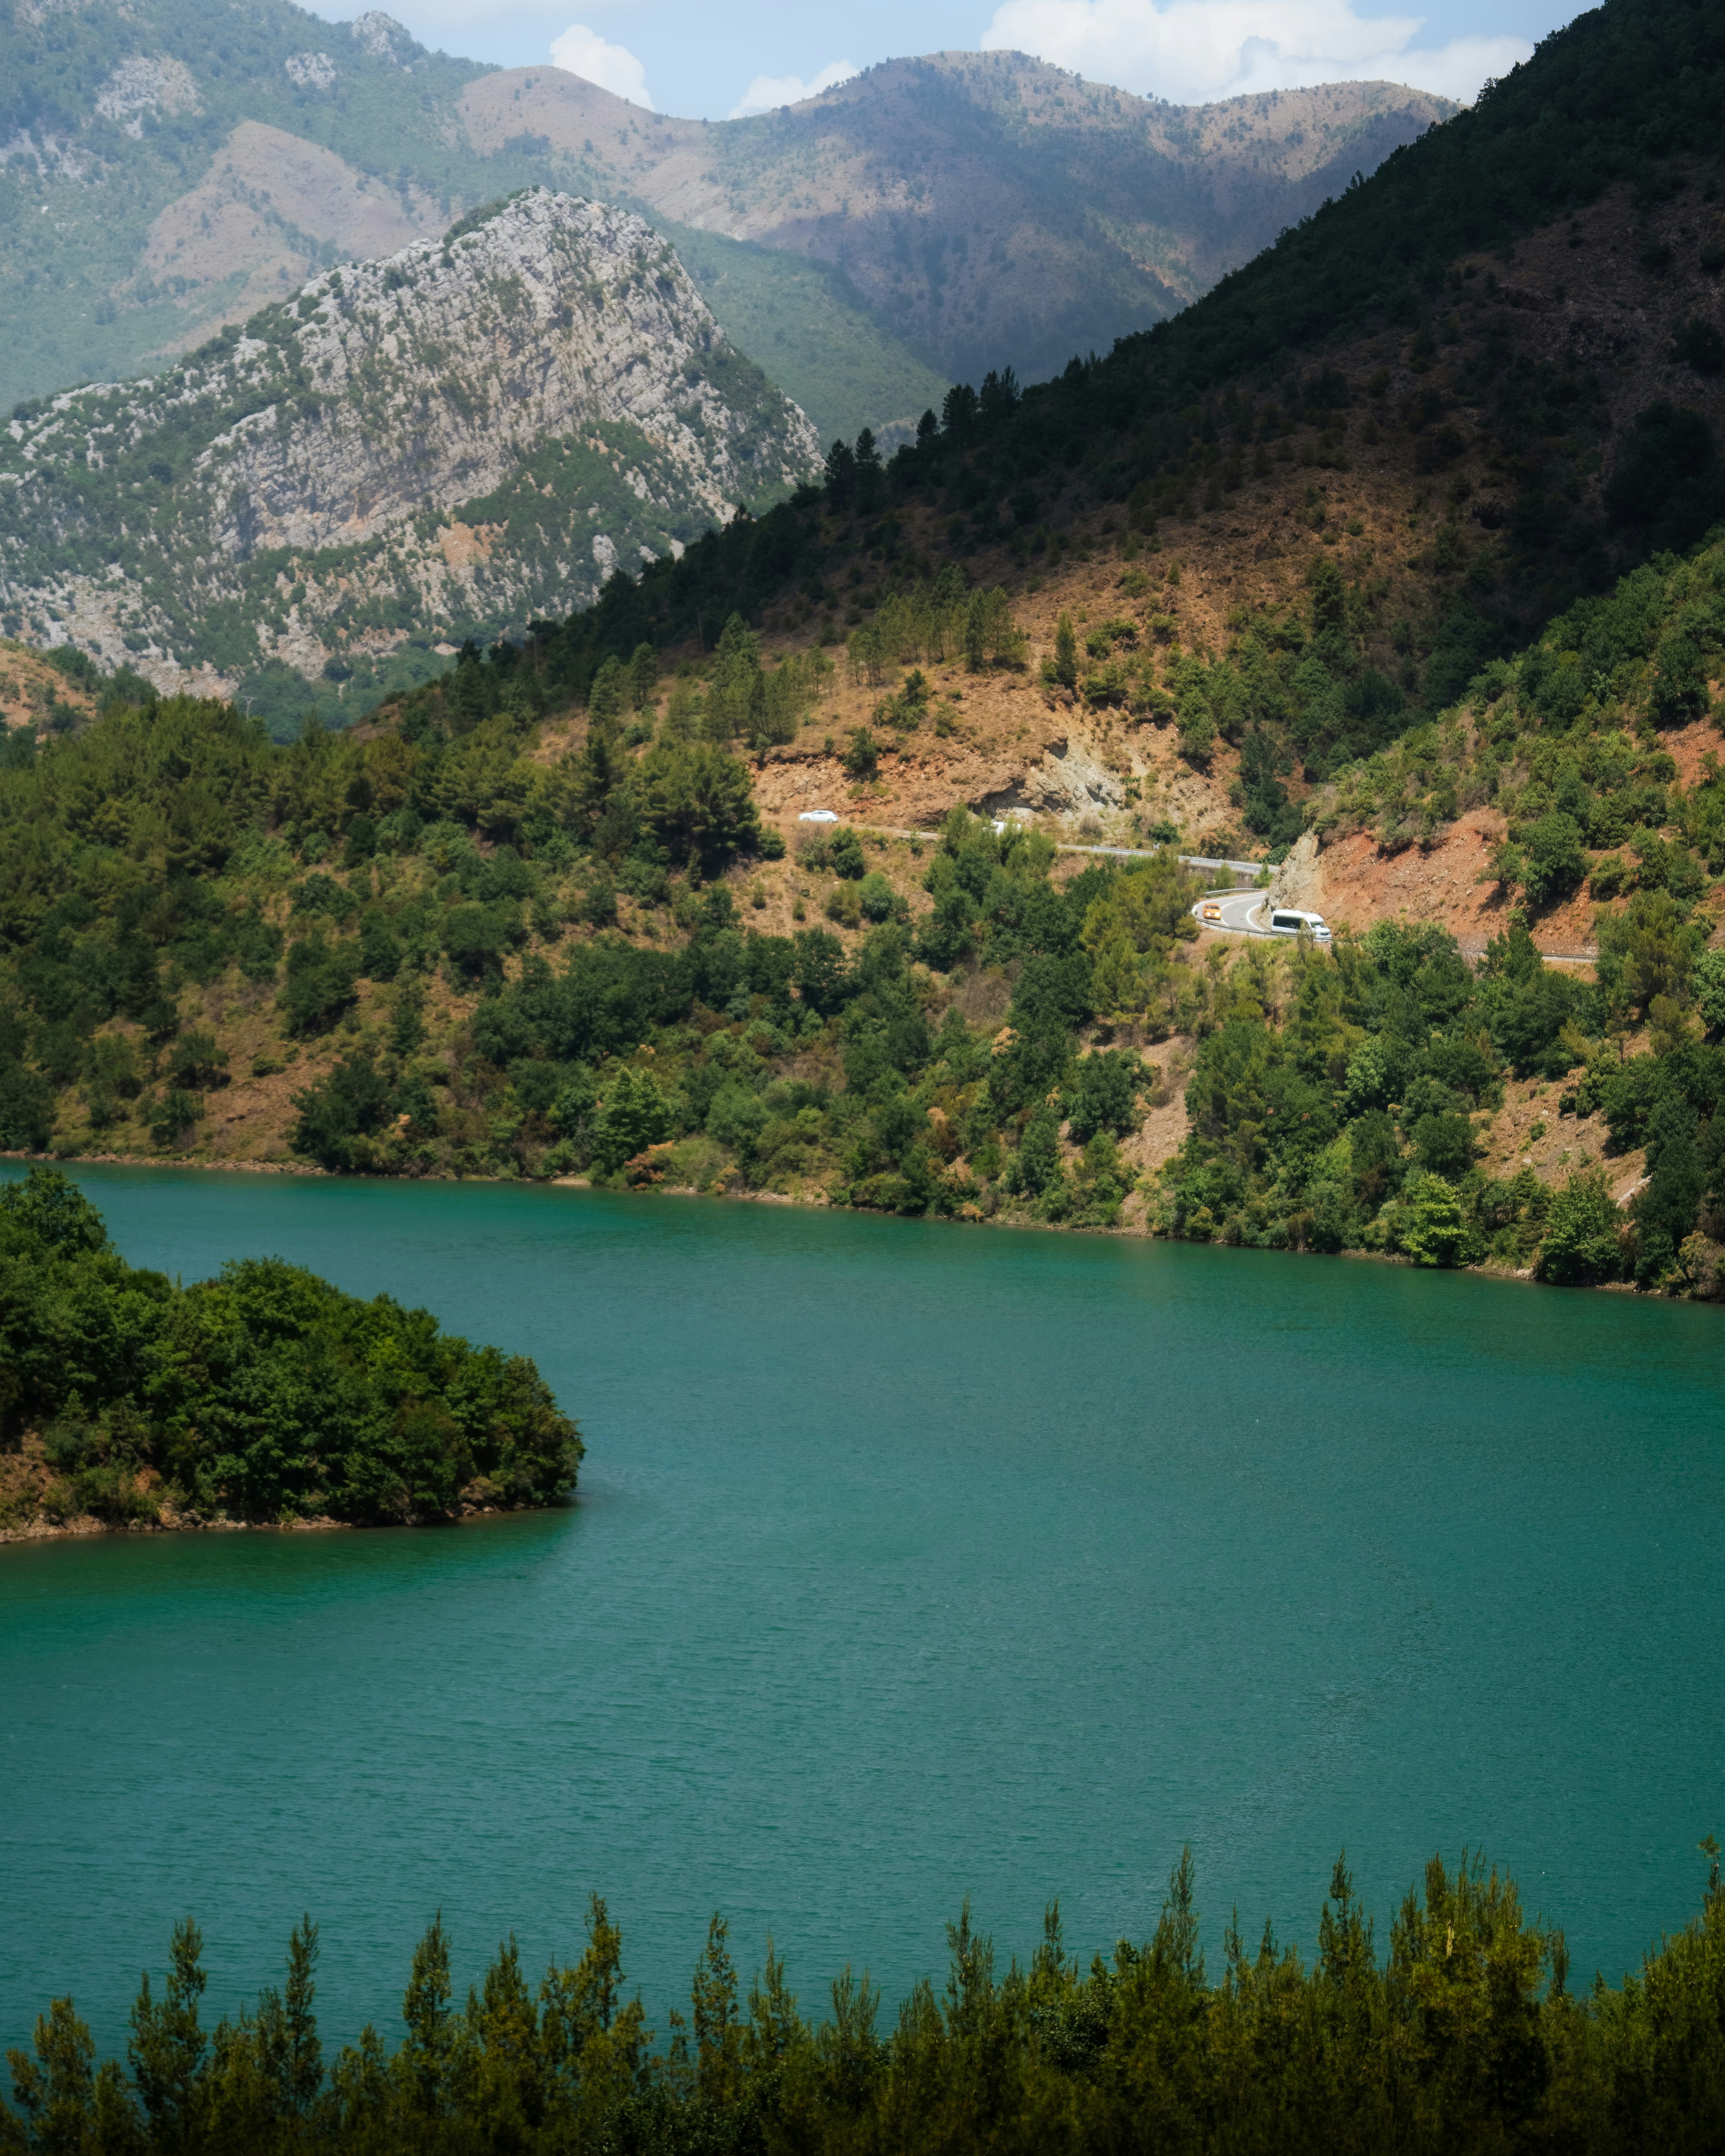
{"x":1240,"y":911}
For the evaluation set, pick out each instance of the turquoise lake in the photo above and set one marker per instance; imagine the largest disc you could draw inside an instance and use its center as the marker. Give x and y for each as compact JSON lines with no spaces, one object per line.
{"x":910,"y":1562}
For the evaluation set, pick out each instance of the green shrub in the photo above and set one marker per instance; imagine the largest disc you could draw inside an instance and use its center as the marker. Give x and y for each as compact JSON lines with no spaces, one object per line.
{"x":876,"y":897}
{"x":1583,"y":1233}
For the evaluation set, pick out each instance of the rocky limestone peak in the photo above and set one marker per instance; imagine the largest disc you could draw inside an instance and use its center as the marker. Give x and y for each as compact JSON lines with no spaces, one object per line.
{"x":441,"y":443}
{"x":430,"y":375}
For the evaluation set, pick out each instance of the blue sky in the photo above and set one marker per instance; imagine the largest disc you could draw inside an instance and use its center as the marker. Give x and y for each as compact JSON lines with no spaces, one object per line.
{"x":691,"y":58}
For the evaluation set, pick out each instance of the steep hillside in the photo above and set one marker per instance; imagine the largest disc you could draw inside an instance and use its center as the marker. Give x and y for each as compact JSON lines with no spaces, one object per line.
{"x":1486,"y":381}
{"x":994,"y":211}
{"x":1370,"y":562}
{"x":462,"y":437}
{"x":475,"y":942}
{"x":44,"y":693}
{"x":167,"y":166}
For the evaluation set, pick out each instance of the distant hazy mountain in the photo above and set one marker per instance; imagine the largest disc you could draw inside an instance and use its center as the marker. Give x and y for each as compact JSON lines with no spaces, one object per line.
{"x":992,"y":210}
{"x":467,"y":434}
{"x":167,"y":166}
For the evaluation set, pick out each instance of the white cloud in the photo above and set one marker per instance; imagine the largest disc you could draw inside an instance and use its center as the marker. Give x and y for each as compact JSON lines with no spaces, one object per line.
{"x":584,"y":52}
{"x":1193,"y":51}
{"x":768,"y":92}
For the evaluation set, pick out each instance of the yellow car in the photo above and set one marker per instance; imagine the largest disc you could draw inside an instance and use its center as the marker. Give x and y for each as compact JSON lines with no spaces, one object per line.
{"x":1211,"y":913}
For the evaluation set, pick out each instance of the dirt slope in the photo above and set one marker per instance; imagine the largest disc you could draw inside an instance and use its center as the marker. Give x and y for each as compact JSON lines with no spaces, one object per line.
{"x":1416,"y":489}
{"x":34,"y":693}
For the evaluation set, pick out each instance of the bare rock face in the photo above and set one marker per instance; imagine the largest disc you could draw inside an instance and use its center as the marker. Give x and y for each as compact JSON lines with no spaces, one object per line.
{"x":447,"y":441}
{"x":434,"y":375}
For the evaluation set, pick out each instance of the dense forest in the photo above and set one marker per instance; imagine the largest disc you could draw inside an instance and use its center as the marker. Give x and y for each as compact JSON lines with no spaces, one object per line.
{"x":543,"y":963}
{"x":264,"y":1395}
{"x":1332,"y":1104}
{"x":1467,"y":2036}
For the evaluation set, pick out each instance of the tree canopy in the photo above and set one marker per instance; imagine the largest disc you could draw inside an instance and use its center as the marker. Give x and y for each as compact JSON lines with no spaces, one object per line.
{"x":263,"y":1395}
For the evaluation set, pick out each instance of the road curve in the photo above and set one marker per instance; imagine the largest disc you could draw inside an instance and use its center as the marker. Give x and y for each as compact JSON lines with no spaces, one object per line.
{"x":1238,"y":906}
{"x":1240,"y":917}
{"x":1239,"y":912}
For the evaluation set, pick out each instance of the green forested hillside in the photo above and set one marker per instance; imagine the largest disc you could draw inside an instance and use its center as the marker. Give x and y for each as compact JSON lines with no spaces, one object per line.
{"x":1611,"y":97}
{"x":264,"y":1395}
{"x":497,"y":944}
{"x":1465,"y":2035}
{"x":1528,"y":486}
{"x":1349,"y":1094}
{"x":500,"y":959}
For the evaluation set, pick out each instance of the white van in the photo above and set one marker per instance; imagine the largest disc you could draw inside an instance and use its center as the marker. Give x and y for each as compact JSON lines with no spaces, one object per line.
{"x":1286,"y":920}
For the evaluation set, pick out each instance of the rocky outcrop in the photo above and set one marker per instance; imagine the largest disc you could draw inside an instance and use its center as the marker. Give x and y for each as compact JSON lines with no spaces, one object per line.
{"x":472,"y":431}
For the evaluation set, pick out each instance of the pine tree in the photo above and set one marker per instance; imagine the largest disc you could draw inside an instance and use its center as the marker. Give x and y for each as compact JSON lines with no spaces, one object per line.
{"x":841,"y":475}
{"x":168,"y":2047}
{"x":1065,"y":652}
{"x":642,"y":677}
{"x":424,"y":2059}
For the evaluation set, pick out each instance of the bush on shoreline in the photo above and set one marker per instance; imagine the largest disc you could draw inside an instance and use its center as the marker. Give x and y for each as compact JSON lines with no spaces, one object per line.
{"x":265,"y":1395}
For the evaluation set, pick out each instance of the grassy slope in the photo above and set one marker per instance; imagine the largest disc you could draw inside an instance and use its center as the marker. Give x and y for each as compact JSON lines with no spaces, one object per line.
{"x":803,"y":323}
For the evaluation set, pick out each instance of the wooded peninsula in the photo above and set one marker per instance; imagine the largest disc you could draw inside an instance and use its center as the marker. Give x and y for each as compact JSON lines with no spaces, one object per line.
{"x":264,"y":1397}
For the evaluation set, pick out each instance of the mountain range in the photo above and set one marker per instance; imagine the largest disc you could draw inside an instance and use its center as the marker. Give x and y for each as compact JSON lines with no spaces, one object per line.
{"x":992,"y":210}
{"x":167,"y":167}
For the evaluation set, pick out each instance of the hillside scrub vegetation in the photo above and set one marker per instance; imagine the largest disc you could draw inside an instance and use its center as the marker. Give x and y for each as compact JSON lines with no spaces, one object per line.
{"x":264,"y":1395}
{"x":1465,"y":2035}
{"x":1337,"y":1104}
{"x":532,"y":921}
{"x":502,"y":960}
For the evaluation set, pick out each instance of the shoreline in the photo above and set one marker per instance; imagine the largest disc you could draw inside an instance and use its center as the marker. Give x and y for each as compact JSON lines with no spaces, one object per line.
{"x":1523,"y":1276}
{"x":86,"y":1528}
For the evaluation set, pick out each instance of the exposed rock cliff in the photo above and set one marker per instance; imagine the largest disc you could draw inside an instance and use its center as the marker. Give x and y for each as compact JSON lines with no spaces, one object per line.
{"x":472,"y":432}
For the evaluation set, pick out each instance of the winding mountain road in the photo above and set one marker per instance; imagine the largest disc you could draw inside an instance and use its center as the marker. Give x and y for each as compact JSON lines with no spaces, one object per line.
{"x":1237,"y":912}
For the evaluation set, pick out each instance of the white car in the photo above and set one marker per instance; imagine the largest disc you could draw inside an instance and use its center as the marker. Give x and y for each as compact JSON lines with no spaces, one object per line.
{"x":1285,"y":920}
{"x":818,"y":816}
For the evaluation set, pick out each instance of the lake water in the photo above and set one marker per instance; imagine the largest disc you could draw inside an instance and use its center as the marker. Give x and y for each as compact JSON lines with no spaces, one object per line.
{"x":911,"y":1563}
